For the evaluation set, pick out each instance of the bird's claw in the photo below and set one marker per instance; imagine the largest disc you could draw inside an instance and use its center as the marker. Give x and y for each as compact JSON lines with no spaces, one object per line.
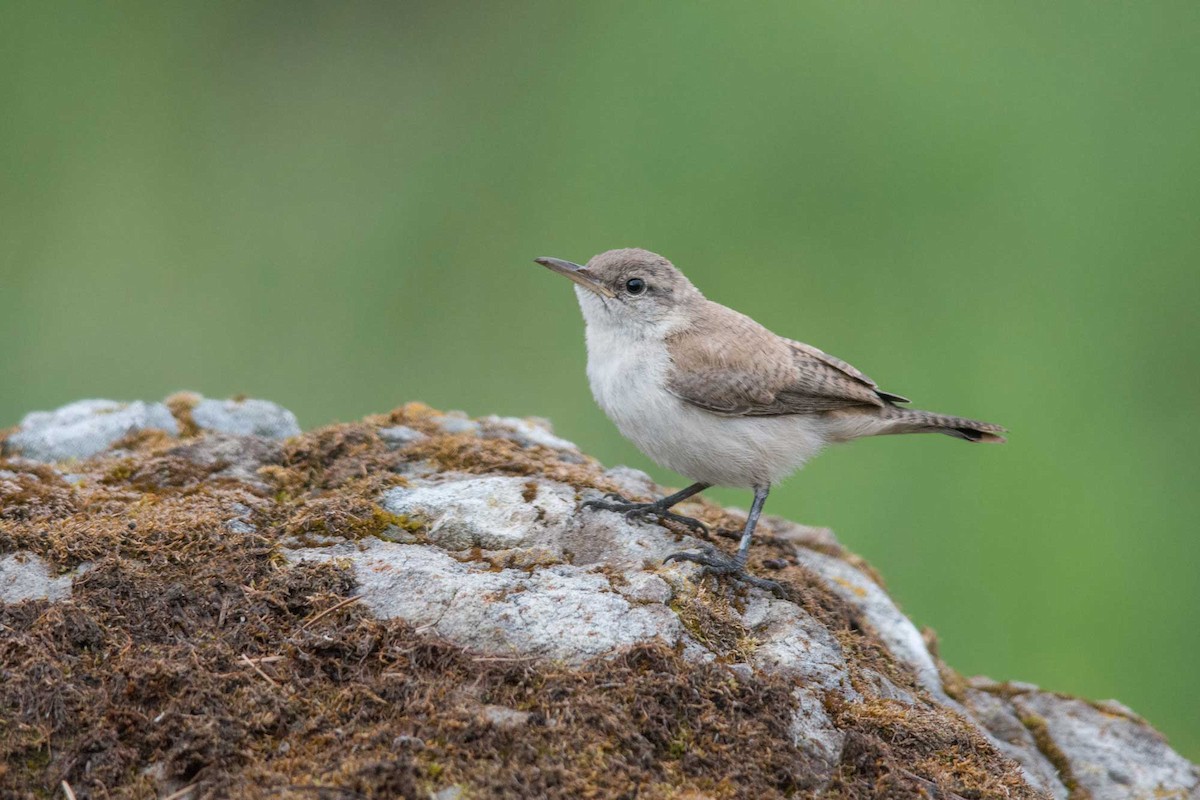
{"x":632,"y":511}
{"x":719,"y":565}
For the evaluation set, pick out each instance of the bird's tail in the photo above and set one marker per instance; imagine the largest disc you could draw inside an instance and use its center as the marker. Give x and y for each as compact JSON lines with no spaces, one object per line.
{"x":907,"y":420}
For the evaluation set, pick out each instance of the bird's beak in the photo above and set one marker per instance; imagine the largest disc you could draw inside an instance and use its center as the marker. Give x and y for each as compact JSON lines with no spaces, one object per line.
{"x":576,"y":273}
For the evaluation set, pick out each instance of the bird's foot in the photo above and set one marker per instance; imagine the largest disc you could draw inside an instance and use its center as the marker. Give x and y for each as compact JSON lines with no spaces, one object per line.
{"x":631,"y":510}
{"x":718,"y":564}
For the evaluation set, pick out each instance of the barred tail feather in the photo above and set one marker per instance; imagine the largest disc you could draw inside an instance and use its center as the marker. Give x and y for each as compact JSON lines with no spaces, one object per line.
{"x":912,"y":421}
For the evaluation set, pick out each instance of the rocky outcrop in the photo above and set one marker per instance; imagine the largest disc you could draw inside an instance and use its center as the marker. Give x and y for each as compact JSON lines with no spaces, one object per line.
{"x":197,"y":600}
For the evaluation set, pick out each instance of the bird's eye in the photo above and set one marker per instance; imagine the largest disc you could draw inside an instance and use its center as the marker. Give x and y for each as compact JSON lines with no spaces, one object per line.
{"x":635,"y":286}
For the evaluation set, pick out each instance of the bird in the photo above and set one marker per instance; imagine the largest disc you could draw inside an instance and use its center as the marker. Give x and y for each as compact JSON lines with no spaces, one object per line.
{"x":711,"y":394}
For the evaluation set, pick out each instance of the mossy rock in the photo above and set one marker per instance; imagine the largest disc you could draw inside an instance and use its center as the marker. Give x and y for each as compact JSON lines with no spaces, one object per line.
{"x":350,"y":613}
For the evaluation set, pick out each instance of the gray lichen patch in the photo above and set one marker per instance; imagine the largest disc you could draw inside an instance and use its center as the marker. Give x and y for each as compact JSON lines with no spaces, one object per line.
{"x":87,"y":428}
{"x":84,"y":428}
{"x":238,"y":417}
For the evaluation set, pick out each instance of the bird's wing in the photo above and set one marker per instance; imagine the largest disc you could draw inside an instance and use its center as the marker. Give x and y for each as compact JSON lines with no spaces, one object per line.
{"x":730,"y":365}
{"x":849,"y":370}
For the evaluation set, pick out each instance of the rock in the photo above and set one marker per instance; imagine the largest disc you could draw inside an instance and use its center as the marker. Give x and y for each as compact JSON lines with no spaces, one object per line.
{"x":1110,"y":755}
{"x":231,"y":457}
{"x":1015,"y":740}
{"x":898,"y":633}
{"x":457,"y":422}
{"x":24,"y":576}
{"x":421,"y":604}
{"x":489,"y":512}
{"x":401,"y":435}
{"x":88,"y":427}
{"x":84,"y":428}
{"x":241,"y":523}
{"x":630,"y":482}
{"x":503,"y":717}
{"x":642,"y":587}
{"x":560,"y":612}
{"x":246,"y":418}
{"x":526,"y":432}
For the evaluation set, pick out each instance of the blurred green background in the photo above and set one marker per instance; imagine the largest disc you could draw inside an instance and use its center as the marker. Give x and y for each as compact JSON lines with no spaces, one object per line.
{"x":991,"y":208}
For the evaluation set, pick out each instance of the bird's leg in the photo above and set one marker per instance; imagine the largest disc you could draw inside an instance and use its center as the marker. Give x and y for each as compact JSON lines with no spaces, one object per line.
{"x":717,"y":563}
{"x":660,"y":509}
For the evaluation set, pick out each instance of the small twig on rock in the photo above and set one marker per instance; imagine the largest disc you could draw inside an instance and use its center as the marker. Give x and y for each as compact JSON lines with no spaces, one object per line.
{"x":68,"y":791}
{"x":258,"y":669}
{"x":185,"y":791}
{"x":331,"y":609}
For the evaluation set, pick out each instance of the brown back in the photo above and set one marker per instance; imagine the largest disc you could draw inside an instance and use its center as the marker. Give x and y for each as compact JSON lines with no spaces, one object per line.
{"x":728,"y":364}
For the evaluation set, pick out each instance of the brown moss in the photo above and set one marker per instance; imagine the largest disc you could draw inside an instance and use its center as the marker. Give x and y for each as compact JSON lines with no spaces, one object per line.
{"x":119,"y":471}
{"x":706,"y":616}
{"x":331,"y":457}
{"x":469,"y":453}
{"x":5,"y":433}
{"x":215,"y":675}
{"x":181,"y":405}
{"x":157,"y":471}
{"x":34,"y":493}
{"x":145,"y":439}
{"x":898,"y":750}
{"x":348,"y":516}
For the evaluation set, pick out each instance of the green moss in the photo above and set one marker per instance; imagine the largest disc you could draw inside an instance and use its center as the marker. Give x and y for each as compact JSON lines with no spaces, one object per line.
{"x":406,"y":523}
{"x":680,"y":744}
{"x":120,"y":472}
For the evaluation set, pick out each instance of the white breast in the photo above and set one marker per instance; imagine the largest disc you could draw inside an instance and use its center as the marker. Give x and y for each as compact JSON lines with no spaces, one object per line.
{"x":628,"y":380}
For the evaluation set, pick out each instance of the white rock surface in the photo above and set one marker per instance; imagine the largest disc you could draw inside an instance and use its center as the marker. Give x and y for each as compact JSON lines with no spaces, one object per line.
{"x":526,"y":432}
{"x":792,"y":643}
{"x":457,"y":422}
{"x":246,"y":418}
{"x":88,"y":427}
{"x":25,"y":577}
{"x":896,"y":630}
{"x":559,"y":612}
{"x":85,"y":428}
{"x":488,"y":512}
{"x":996,"y":714}
{"x":1112,"y":756}
{"x":400,"y":435}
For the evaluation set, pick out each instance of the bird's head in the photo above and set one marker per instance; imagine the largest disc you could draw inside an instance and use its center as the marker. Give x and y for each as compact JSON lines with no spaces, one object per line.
{"x":630,"y":288}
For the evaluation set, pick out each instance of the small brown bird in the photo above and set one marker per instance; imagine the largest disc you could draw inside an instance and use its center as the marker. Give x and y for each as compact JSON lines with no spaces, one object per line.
{"x":713,"y":395}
